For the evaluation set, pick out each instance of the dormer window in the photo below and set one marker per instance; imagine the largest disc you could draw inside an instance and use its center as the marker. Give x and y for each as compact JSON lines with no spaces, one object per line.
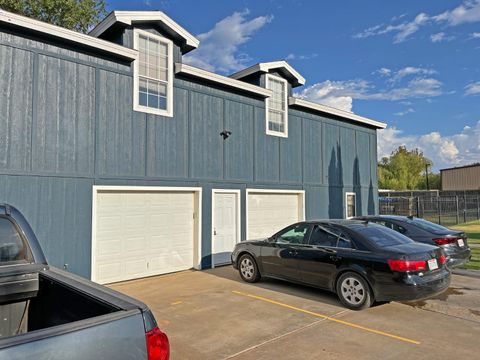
{"x":276,"y":106}
{"x":153,"y":74}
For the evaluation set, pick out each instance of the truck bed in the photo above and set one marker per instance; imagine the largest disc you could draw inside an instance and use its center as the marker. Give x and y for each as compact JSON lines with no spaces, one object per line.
{"x":69,"y":311}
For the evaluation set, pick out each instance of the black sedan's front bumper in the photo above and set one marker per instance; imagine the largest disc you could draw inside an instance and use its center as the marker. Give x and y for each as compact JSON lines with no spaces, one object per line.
{"x":414,"y":287}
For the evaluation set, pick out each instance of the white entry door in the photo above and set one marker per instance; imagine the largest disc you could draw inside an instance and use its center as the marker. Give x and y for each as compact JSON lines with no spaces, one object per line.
{"x":226,"y":225}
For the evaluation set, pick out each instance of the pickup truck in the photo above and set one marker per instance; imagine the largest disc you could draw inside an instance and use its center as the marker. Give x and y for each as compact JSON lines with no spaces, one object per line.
{"x":47,"y":313}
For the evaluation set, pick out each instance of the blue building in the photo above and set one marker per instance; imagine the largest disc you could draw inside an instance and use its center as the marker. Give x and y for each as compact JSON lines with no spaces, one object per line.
{"x":130,"y":163}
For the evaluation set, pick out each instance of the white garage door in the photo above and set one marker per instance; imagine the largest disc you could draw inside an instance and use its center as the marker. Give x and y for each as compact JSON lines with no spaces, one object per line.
{"x":270,"y":212}
{"x":142,"y":233}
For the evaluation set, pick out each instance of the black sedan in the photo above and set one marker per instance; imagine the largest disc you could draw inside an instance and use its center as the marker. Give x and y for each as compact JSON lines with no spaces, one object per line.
{"x":361,"y":261}
{"x":453,"y":242}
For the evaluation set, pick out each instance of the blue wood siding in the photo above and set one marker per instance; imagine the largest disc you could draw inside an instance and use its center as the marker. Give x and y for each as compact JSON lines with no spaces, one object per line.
{"x":16,"y":77}
{"x":67,"y":123}
{"x":121,"y":132}
{"x":168,"y":142}
{"x":239,"y":148}
{"x":63,"y":131}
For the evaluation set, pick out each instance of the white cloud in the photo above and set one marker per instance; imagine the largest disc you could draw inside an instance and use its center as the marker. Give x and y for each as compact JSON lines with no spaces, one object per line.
{"x":445,"y":151}
{"x":410,"y":70}
{"x":340,"y":94}
{"x":219,"y":47}
{"x":473,"y":88}
{"x":440,"y":37}
{"x":403,"y":30}
{"x":475,"y":35}
{"x":292,"y":56}
{"x":383,"y":72}
{"x":468,"y":12}
{"x":405,"y":112}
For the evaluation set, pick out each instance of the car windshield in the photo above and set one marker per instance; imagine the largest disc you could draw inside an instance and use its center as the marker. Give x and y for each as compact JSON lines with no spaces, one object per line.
{"x":426,"y":225}
{"x":382,"y":236}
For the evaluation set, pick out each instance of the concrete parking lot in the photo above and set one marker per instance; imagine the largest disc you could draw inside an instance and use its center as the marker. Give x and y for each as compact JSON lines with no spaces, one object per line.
{"x":214,"y":315}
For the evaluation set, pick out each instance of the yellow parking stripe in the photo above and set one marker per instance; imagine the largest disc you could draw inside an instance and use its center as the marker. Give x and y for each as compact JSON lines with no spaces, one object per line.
{"x":378,"y":332}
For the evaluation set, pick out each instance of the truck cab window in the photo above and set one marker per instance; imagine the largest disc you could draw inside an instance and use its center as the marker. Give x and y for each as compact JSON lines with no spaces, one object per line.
{"x":12,"y":246}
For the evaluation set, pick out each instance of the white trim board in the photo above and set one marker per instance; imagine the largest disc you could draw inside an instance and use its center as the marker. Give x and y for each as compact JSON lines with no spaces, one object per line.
{"x":129,"y":17}
{"x":266,"y":67}
{"x":219,"y":79}
{"x":301,"y":207}
{"x":293,"y":101}
{"x":69,"y":35}
{"x":239,"y":216}
{"x":197,"y":223}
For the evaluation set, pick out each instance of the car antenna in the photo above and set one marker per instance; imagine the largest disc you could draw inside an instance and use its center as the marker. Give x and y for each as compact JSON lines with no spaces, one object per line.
{"x":410,"y":217}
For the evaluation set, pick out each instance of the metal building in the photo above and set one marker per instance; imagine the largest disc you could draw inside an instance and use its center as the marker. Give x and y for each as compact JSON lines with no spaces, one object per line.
{"x":130,"y":163}
{"x":461,"y":178}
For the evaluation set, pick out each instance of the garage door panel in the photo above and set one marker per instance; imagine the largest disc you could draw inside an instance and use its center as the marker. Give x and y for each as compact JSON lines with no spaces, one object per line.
{"x":271,"y":212}
{"x":109,"y":271}
{"x":143,"y":233}
{"x":109,"y":247}
{"x":135,"y":267}
{"x":136,"y":244}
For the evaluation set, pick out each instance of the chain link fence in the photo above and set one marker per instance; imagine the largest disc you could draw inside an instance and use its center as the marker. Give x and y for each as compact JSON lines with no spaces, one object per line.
{"x":445,"y":210}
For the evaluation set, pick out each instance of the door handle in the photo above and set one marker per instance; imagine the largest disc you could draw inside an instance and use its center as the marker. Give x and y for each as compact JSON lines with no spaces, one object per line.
{"x":214,"y":231}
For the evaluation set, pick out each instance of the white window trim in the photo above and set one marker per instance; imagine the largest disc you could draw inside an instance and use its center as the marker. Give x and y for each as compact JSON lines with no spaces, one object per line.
{"x":354,"y":204}
{"x":136,"y":105}
{"x":267,"y":101}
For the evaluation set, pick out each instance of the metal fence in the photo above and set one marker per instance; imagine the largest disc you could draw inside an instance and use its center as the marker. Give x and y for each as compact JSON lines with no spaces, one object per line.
{"x":446,"y":210}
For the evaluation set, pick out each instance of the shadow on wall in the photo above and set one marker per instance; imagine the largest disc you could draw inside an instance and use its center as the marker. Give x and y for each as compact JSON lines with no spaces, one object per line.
{"x":371,"y":200}
{"x":357,"y":188}
{"x":335,"y":184}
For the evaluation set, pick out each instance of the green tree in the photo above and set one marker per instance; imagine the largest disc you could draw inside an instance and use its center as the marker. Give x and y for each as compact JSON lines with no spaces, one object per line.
{"x":402,"y":170}
{"x":78,"y":15}
{"x":433,"y":182}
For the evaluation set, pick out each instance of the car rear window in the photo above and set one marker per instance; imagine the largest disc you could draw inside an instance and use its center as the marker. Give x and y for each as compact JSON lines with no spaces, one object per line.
{"x":426,"y":225}
{"x":382,"y":236}
{"x":12,"y":246}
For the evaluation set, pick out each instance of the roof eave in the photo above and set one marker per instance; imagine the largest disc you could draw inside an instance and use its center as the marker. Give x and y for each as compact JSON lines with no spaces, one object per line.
{"x":297,"y":79}
{"x":67,"y":35}
{"x":293,"y":101}
{"x":195,"y":72}
{"x":128,"y":18}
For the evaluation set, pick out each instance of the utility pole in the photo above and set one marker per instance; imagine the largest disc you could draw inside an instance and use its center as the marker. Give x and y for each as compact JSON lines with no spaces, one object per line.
{"x":426,"y":176}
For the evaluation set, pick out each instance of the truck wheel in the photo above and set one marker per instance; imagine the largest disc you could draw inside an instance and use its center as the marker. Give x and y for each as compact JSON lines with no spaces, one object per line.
{"x":354,"y":292}
{"x":248,"y":269}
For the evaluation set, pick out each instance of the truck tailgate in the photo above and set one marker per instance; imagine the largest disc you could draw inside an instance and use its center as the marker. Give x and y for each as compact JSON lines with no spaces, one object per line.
{"x":114,"y":336}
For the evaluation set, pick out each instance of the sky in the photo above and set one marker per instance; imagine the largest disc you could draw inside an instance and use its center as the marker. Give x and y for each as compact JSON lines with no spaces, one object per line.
{"x":414,"y":65}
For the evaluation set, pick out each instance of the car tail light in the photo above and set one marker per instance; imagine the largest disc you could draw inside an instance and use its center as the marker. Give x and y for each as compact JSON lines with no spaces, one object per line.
{"x":407,"y":265}
{"x":445,"y":241}
{"x":442,"y":259}
{"x":158,"y":346}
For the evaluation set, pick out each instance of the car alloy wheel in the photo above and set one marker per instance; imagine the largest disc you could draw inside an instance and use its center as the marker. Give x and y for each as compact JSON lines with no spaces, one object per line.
{"x":247,"y":268}
{"x":353,"y":291}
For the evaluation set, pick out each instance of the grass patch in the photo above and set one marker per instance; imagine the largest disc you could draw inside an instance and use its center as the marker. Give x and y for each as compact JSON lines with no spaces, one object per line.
{"x":472,"y":229}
